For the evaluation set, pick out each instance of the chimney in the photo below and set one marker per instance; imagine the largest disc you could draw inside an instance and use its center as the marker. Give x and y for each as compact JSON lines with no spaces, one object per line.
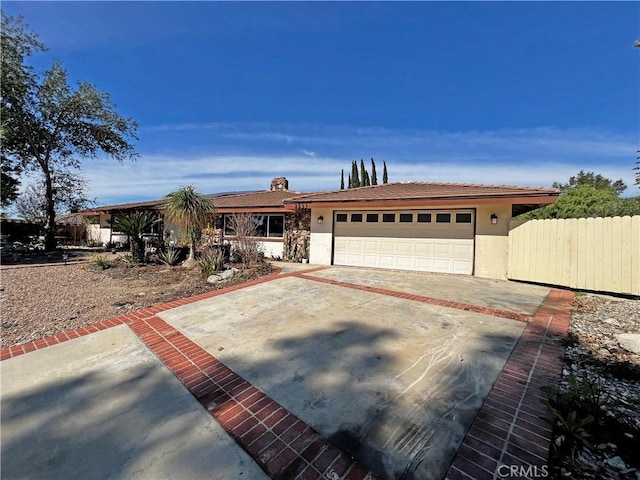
{"x":279,"y":183}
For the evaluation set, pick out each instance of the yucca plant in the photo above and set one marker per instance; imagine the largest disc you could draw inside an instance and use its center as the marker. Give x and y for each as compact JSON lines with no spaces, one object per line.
{"x":134,"y":225}
{"x":170,"y":257}
{"x":190,"y":211}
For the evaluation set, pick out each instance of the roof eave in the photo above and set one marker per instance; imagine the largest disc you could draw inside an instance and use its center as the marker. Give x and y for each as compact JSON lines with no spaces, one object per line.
{"x":515,"y":198}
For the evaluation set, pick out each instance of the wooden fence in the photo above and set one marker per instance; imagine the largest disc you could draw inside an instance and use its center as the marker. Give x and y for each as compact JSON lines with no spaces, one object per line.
{"x":601,"y":254}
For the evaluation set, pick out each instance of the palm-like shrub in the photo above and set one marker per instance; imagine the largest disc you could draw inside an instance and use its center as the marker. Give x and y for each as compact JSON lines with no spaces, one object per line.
{"x":170,"y":256}
{"x":190,"y":211}
{"x":134,"y":226}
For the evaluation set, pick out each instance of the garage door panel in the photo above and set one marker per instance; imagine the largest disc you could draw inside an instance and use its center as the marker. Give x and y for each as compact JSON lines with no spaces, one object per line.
{"x":431,"y":247}
{"x":387,"y":261}
{"x":388,"y":246}
{"x":355,"y":259}
{"x":423,"y":264}
{"x":424,"y":249}
{"x":406,"y":263}
{"x":461,"y":250}
{"x":371,"y":246}
{"x":462,"y":266}
{"x":371,"y":260}
{"x":406,"y":248}
{"x":443,"y":250}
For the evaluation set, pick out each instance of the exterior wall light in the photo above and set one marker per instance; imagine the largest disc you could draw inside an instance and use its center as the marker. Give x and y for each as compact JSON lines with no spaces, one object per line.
{"x":320,"y":219}
{"x":494,"y":219}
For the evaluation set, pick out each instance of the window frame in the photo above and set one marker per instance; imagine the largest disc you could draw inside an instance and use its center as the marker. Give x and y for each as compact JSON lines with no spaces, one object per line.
{"x":429,"y":215}
{"x":438,"y":214}
{"x":226,"y":227}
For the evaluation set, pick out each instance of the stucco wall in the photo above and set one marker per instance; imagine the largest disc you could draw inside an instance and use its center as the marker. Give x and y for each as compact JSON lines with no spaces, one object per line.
{"x":321,"y":236}
{"x":492,"y":241}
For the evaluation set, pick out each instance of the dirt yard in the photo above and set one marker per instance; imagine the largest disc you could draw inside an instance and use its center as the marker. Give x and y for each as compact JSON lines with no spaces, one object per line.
{"x":40,"y":298}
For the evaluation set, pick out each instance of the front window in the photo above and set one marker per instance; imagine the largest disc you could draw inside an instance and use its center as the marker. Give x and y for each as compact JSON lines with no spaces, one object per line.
{"x":266,"y":225}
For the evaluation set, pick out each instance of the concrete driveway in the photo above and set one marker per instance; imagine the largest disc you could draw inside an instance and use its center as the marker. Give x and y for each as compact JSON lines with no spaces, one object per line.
{"x":367,"y":358}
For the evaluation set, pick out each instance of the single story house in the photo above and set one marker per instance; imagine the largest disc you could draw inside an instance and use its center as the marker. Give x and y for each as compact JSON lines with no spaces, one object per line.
{"x":424,"y":226}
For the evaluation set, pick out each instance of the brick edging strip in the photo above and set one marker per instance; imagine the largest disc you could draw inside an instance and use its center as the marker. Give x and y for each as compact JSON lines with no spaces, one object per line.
{"x":469,"y":307}
{"x":509,"y":429}
{"x":283,"y":445}
{"x":40,"y":343}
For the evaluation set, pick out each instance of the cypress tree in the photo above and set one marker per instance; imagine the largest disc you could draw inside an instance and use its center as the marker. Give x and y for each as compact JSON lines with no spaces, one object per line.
{"x":354,"y":174}
{"x":342,"y":180}
{"x":362,"y":174}
{"x":350,"y":183}
{"x":367,"y":181}
{"x":374,"y":176}
{"x":385,"y":177}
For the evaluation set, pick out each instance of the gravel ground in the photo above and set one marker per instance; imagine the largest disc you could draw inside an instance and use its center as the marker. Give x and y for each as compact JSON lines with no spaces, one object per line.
{"x":39,"y":300}
{"x":596,"y":358}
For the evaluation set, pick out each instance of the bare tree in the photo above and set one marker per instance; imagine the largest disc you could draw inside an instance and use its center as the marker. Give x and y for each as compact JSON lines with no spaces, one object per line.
{"x":31,"y":206}
{"x":245,"y":230}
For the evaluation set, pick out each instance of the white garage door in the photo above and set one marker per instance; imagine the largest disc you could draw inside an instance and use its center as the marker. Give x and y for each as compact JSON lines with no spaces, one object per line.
{"x":425,"y":240}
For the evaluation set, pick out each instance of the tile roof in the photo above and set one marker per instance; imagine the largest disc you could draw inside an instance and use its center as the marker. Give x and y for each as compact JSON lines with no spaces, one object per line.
{"x":423,"y":191}
{"x":264,"y":198}
{"x":388,"y":192}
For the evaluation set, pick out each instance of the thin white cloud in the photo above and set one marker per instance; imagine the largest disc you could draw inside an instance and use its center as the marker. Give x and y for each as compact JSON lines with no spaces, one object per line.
{"x":536,"y":157}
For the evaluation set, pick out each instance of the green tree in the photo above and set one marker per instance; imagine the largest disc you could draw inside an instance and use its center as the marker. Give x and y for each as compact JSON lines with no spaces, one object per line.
{"x":190,"y":211}
{"x":355,"y":179}
{"x":588,"y":195}
{"x":350,"y":181}
{"x":363,"y":174}
{"x":54,"y":126}
{"x":591,"y":179}
{"x":385,"y":176}
{"x":17,"y":43}
{"x":637,"y":169}
{"x":135,"y":226}
{"x":582,"y":201}
{"x":9,"y":182}
{"x":374,"y":175}
{"x":342,"y":179}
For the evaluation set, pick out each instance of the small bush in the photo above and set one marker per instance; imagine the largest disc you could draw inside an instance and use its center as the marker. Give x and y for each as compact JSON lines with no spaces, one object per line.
{"x":128,"y":258}
{"x":101,"y":261}
{"x":211,"y":261}
{"x":170,"y":256}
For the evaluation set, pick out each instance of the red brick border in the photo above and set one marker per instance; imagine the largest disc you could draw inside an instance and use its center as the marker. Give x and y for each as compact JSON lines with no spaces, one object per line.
{"x":282,"y":444}
{"x":508,"y":430}
{"x":17,"y":350}
{"x":418,"y":298}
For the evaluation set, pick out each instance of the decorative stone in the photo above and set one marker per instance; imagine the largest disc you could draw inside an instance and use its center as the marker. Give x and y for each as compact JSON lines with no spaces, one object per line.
{"x":630,"y":342}
{"x":617,"y":463}
{"x":223,"y":276}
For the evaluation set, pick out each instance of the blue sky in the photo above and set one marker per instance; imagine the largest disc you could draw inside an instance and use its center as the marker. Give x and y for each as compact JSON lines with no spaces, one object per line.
{"x":229,"y":95}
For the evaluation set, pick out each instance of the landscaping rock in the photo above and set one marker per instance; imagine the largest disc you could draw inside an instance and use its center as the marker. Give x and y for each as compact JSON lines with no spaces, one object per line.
{"x":617,"y":462}
{"x":630,"y":342}
{"x":600,"y":358}
{"x":223,"y":276}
